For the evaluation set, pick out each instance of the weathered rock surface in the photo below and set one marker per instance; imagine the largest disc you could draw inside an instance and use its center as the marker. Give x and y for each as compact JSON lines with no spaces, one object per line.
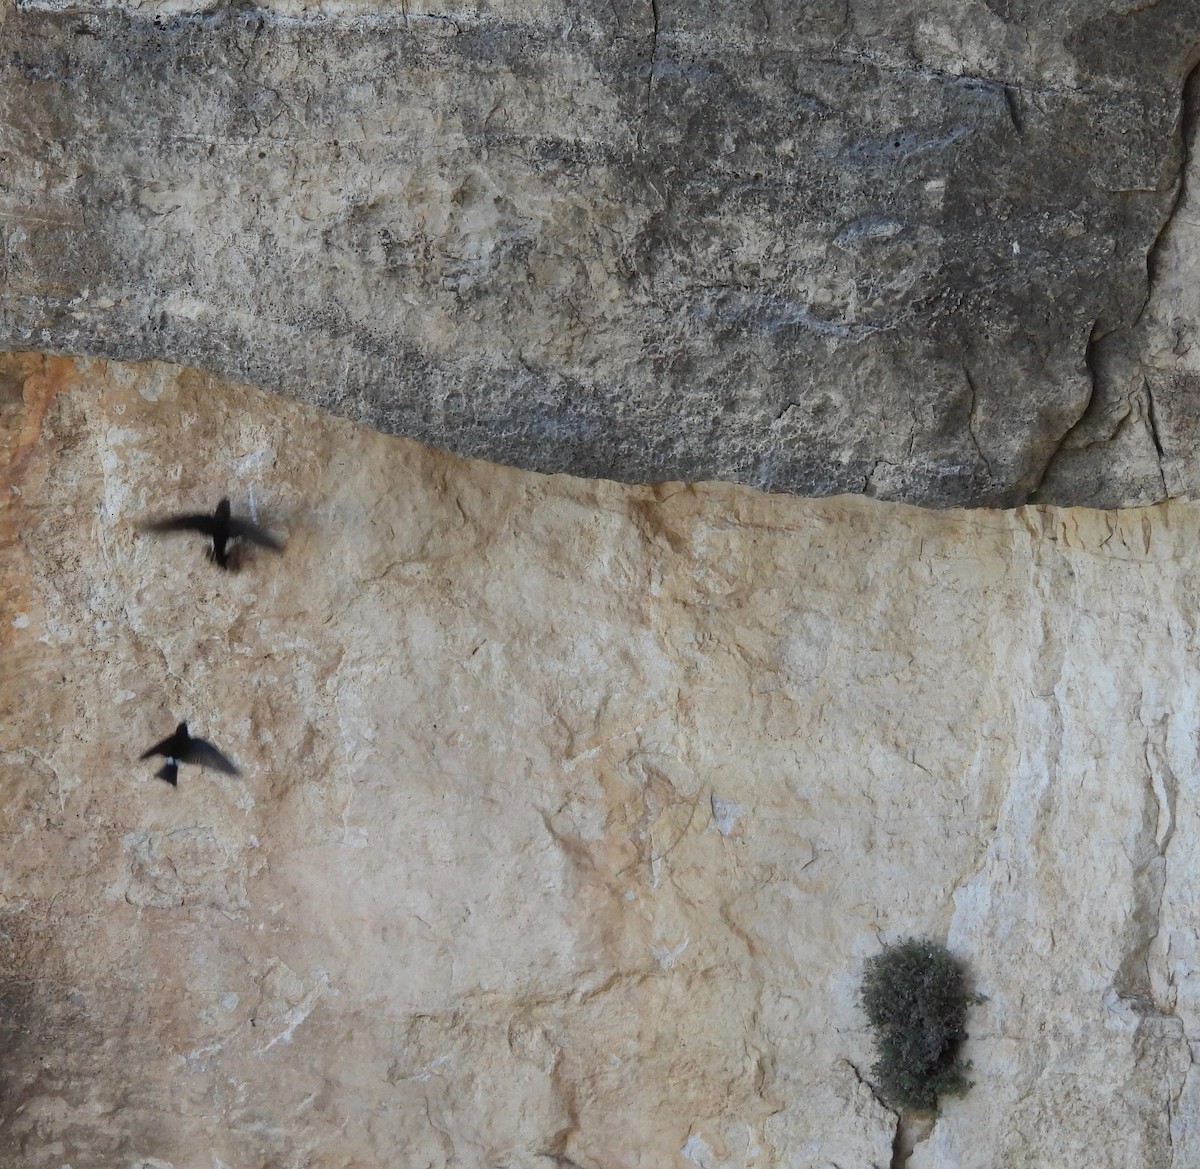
{"x":570,"y":810}
{"x":870,"y":246}
{"x":1137,"y":441}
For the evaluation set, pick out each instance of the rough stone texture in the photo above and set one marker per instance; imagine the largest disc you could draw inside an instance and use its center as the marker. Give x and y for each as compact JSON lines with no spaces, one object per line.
{"x":1137,"y":441}
{"x":855,"y":246}
{"x":570,"y":811}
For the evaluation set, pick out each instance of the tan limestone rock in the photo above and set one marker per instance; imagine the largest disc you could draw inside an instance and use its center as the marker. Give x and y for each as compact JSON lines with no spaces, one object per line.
{"x":570,"y":811}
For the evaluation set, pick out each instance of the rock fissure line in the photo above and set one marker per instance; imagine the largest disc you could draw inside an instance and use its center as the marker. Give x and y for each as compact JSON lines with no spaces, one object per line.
{"x":1189,"y":119}
{"x":1089,"y":362}
{"x":972,"y":416}
{"x":1155,"y":436}
{"x":1014,"y":110}
{"x":653,"y":64}
{"x":911,"y":1129}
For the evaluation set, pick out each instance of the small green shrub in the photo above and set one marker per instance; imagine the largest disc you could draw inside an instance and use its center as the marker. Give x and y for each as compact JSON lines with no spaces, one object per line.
{"x":915,"y":996}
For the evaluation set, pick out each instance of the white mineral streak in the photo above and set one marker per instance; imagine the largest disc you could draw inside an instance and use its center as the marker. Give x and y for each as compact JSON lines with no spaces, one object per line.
{"x":570,"y":811}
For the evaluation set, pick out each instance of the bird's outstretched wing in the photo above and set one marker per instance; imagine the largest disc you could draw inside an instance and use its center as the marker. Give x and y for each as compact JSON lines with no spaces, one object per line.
{"x":203,"y":754}
{"x":166,"y":747}
{"x":184,"y":523}
{"x":252,"y":532}
{"x":168,"y":771}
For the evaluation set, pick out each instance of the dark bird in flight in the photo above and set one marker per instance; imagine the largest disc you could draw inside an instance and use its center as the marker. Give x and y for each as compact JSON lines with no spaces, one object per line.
{"x":221,"y":528}
{"x":182,"y":748}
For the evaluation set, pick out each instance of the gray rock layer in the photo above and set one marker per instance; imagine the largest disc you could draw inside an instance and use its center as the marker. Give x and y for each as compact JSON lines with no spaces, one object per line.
{"x":826,"y":247}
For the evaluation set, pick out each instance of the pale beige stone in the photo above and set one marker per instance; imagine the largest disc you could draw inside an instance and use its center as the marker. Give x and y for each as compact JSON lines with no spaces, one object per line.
{"x":570,"y":811}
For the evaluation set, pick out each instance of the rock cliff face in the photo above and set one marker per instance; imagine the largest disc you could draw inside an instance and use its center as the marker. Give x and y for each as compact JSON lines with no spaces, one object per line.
{"x":570,"y":810}
{"x":889,"y":247}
